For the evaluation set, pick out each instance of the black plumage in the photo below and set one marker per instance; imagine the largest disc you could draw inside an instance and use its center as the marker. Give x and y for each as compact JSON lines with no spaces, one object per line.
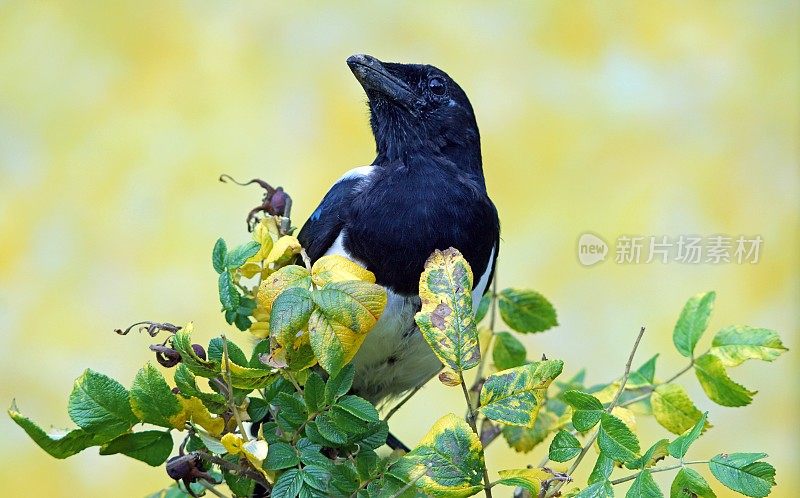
{"x":425,"y":190}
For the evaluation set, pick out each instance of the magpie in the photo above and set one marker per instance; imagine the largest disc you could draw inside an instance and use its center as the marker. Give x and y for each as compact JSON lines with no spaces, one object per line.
{"x":424,"y":191}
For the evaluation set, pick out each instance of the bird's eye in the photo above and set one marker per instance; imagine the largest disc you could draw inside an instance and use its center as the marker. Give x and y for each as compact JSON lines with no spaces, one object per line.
{"x":437,"y":86}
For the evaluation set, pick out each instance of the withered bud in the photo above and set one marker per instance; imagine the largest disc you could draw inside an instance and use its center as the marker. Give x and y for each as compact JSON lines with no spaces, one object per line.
{"x":166,"y":356}
{"x":278,"y":201}
{"x":199,"y":351}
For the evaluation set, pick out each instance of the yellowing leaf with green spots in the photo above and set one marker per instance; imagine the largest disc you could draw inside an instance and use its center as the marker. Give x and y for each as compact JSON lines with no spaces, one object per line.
{"x":271,"y":287}
{"x":524,"y":439}
{"x":451,"y":452}
{"x":249,"y":378}
{"x":514,"y":396}
{"x":673,"y":408}
{"x":720,"y":388}
{"x":446,"y":319}
{"x":286,"y":248}
{"x":345,"y":312}
{"x":735,"y":344}
{"x":529,"y":479}
{"x":336,"y":268}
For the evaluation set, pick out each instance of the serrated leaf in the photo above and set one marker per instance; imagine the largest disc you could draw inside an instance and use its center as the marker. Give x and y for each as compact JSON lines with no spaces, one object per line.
{"x":644,"y":487}
{"x":680,"y":445}
{"x":744,"y":473}
{"x":247,"y":378}
{"x":600,"y":489}
{"x":616,"y":440}
{"x":283,"y":251}
{"x":291,"y":410}
{"x":58,"y":444}
{"x":218,"y":255}
{"x":564,"y":447}
{"x":345,"y":313}
{"x":526,"y":310}
{"x":216,"y":349}
{"x":314,"y":392}
{"x":658,"y":451}
{"x":100,"y":405}
{"x":483,"y":307}
{"x":529,"y":479}
{"x":357,"y":407}
{"x":736,"y":344}
{"x":586,"y":409}
{"x":152,"y":400}
{"x":228,"y":295}
{"x":182,"y":342}
{"x":514,"y":396}
{"x":150,"y":447}
{"x":289,"y":315}
{"x":452,"y":456}
{"x":271,"y":287}
{"x":693,"y":322}
{"x":508,"y":352}
{"x":643,"y":376}
{"x":336,"y":268}
{"x":603,"y":467}
{"x":281,"y":456}
{"x":673,"y":408}
{"x":338,"y":385}
{"x":524,"y":439}
{"x":717,"y":385}
{"x":446,"y":320}
{"x":186,"y":383}
{"x":238,"y":256}
{"x":317,"y":477}
{"x":689,"y":484}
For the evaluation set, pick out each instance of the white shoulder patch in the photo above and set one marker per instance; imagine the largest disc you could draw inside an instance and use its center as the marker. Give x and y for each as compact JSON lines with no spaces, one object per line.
{"x":360,"y":172}
{"x":483,"y":283}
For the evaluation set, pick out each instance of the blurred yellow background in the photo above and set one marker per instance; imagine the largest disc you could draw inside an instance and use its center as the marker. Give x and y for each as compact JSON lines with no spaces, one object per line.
{"x":649,"y":118}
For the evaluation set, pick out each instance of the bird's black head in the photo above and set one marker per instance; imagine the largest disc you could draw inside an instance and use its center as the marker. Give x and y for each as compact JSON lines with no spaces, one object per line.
{"x":418,"y":111}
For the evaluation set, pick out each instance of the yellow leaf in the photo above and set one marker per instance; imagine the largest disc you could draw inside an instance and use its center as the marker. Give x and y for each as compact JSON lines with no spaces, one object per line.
{"x":530,"y":479}
{"x":193,"y":409}
{"x":450,"y":378}
{"x":335,"y":268}
{"x":255,"y":450}
{"x":283,"y":251}
{"x":265,"y":233}
{"x":269,"y":290}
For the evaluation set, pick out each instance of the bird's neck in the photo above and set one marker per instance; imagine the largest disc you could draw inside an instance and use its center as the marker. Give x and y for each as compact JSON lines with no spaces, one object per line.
{"x":420,"y":155}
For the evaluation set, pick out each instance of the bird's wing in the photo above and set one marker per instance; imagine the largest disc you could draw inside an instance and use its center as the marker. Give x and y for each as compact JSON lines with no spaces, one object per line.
{"x":326,"y":222}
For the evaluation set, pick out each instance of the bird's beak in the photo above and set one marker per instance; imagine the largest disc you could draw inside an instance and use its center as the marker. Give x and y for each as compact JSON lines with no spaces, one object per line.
{"x":374,"y":77}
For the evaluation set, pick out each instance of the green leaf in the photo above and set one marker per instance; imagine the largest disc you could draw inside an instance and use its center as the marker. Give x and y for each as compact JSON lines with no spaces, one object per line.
{"x":358,"y":408}
{"x":526,"y":310}
{"x":693,"y":322}
{"x":653,"y":455}
{"x":214,"y":445}
{"x":317,"y":477}
{"x":736,"y":344}
{"x":314,"y":392}
{"x":600,"y":489}
{"x":673,"y":408}
{"x":586,"y":409}
{"x":452,"y":455}
{"x":60,"y":444}
{"x":290,"y":313}
{"x":338,"y":385}
{"x":182,"y":343}
{"x":483,"y":307}
{"x":680,"y":446}
{"x":564,"y":447}
{"x":291,"y":410}
{"x":446,"y":319}
{"x":644,"y":487}
{"x":616,"y":440}
{"x":529,"y":479}
{"x":643,"y":376}
{"x":228,"y":295}
{"x":150,"y":447}
{"x":239,"y":485}
{"x":689,"y":484}
{"x":281,"y":456}
{"x":216,"y":349}
{"x":524,"y":439}
{"x":152,"y":400}
{"x":186,"y":383}
{"x":345,"y":313}
{"x":514,"y":396}
{"x":99,"y":404}
{"x":218,"y":255}
{"x":602,"y":469}
{"x":743,"y":473}
{"x":508,"y":352}
{"x":288,"y":484}
{"x":241,"y":254}
{"x":717,"y":385}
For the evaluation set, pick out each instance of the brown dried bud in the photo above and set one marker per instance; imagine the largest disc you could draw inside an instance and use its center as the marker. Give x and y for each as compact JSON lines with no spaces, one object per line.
{"x":199,"y":351}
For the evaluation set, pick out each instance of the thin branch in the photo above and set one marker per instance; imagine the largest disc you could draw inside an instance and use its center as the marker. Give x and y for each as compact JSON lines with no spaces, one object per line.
{"x":655,"y":470}
{"x":231,"y":403}
{"x":650,"y":389}
{"x":611,"y":406}
{"x":471,"y":418}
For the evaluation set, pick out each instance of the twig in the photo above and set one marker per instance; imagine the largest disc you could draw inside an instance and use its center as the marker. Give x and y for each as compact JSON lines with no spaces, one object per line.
{"x":650,"y":389}
{"x":655,"y":470}
{"x":471,"y":417}
{"x":231,"y":403}
{"x":611,"y":406}
{"x":250,"y":474}
{"x":212,"y":489}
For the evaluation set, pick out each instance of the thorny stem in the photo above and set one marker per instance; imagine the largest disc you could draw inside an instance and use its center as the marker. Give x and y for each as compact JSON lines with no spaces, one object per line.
{"x":471,"y":417}
{"x":231,"y":403}
{"x":611,"y":406}
{"x":655,"y":470}
{"x":233,"y":467}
